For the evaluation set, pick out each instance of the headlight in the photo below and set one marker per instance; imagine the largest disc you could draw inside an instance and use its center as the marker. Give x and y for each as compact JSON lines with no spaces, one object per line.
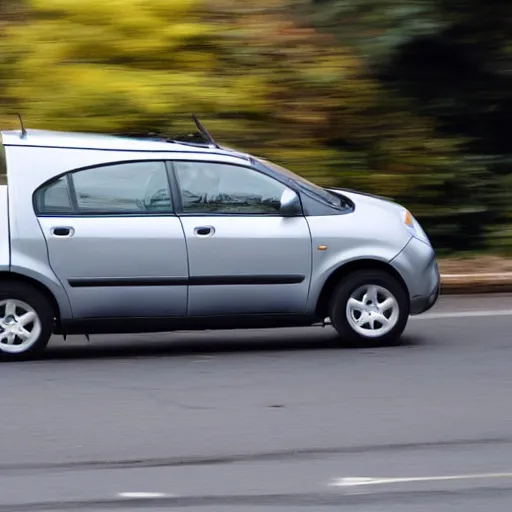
{"x":414,"y":227}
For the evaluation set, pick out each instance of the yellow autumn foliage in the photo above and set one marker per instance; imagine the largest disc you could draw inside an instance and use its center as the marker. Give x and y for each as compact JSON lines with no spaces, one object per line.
{"x":262,"y":81}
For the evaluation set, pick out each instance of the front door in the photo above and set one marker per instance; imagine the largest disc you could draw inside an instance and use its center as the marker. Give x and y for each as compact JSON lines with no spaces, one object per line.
{"x":244,"y":258}
{"x":114,"y":242}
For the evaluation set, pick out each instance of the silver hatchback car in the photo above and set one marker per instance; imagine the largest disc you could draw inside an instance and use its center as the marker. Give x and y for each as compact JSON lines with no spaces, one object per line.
{"x":106,"y":234}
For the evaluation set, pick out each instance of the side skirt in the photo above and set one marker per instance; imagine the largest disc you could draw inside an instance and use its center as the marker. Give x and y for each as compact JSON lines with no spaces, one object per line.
{"x":147,"y":325}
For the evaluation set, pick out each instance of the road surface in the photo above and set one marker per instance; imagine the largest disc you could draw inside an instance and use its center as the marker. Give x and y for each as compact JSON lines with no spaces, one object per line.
{"x":268,"y":420}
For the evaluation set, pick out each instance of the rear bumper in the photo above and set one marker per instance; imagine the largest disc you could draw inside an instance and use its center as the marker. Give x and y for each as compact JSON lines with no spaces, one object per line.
{"x":418,"y":267}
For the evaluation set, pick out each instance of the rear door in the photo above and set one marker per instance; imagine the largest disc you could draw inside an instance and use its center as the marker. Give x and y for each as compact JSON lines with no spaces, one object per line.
{"x":114,"y":241}
{"x":244,"y":257}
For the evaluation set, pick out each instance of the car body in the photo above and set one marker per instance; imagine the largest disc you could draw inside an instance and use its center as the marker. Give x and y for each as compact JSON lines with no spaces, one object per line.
{"x":116,"y":234}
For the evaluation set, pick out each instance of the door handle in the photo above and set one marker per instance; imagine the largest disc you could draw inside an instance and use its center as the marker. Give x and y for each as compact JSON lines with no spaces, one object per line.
{"x":63,"y":231}
{"x":204,"y":231}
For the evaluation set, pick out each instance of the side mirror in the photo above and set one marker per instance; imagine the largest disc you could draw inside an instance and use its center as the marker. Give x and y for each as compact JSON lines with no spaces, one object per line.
{"x":290,"y":204}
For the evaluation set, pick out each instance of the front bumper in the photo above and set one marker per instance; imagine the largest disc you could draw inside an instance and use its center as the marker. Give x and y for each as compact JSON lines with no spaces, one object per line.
{"x":417,"y":265}
{"x":421,"y":304}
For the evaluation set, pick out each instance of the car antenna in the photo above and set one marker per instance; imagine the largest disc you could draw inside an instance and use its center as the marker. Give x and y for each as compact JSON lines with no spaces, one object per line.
{"x":23,"y":131}
{"x":204,"y":132}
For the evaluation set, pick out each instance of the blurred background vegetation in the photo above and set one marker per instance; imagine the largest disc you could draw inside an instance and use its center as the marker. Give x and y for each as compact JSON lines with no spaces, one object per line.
{"x":405,"y":98}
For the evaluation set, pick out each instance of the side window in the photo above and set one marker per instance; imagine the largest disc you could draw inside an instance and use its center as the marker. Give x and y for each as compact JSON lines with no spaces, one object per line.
{"x":223,"y":188}
{"x":54,"y":198}
{"x":134,"y":187}
{"x":126,"y":188}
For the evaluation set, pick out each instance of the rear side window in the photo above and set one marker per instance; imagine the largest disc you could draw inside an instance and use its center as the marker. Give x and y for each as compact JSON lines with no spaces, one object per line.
{"x":133,"y":188}
{"x":123,"y":188}
{"x":55,"y":197}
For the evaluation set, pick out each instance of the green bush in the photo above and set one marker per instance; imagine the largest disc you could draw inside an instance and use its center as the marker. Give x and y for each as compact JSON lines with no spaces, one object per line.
{"x":263,"y":79}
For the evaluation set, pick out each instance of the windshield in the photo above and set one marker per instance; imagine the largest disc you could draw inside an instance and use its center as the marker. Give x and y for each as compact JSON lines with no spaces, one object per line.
{"x":306,"y":184}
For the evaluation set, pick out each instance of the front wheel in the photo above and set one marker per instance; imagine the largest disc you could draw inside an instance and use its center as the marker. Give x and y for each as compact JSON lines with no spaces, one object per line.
{"x":369,"y":308}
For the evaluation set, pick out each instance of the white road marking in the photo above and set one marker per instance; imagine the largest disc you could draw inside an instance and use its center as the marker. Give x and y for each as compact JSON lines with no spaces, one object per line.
{"x":425,"y":316}
{"x":463,"y":314}
{"x":144,"y":495}
{"x":359,"y":481}
{"x":455,"y":314}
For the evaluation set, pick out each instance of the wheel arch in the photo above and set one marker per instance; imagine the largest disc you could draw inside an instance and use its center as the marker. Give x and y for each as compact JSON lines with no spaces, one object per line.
{"x":15,"y":277}
{"x":340,"y":273}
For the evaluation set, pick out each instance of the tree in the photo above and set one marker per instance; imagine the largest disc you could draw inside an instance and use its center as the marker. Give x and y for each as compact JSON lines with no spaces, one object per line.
{"x":120,"y":65}
{"x":452,"y":60}
{"x":267,"y":82}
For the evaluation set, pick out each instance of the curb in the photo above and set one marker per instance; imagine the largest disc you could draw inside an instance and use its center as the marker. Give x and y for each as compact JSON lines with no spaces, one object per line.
{"x":452,"y":284}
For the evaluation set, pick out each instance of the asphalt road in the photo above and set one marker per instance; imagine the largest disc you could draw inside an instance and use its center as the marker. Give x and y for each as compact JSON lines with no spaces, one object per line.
{"x":269,"y":420}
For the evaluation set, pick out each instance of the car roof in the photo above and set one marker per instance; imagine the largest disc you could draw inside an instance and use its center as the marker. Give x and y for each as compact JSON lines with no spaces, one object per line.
{"x":75,"y":140}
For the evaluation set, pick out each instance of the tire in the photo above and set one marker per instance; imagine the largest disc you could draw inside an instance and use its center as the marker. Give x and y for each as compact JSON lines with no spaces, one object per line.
{"x":353,"y":318}
{"x":17,"y":299}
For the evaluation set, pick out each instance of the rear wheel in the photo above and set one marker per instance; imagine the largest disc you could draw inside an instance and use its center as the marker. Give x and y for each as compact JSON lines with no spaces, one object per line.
{"x":26,"y":321}
{"x":369,"y":308}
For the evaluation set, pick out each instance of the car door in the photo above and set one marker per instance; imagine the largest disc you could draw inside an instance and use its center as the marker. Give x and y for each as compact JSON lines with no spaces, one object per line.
{"x":114,"y":241}
{"x":244,"y":256}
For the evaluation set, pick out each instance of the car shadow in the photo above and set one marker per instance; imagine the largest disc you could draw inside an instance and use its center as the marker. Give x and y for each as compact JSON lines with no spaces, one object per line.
{"x":188,"y":344}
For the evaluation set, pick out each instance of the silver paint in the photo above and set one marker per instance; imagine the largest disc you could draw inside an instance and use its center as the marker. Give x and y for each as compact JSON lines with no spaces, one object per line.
{"x":170,"y":247}
{"x":120,"y":248}
{"x":5,"y":256}
{"x":244,"y":245}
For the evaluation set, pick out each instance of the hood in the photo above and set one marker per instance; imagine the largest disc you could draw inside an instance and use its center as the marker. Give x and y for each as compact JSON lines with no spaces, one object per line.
{"x":377,"y":219}
{"x":369,"y":200}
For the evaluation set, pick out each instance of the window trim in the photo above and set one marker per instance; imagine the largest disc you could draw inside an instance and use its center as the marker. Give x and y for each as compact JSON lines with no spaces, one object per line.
{"x":178,"y":203}
{"x":77,"y":212}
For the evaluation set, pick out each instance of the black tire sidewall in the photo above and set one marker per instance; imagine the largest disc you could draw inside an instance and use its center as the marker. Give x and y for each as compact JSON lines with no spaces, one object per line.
{"x":37,"y":300}
{"x":338,"y":304}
